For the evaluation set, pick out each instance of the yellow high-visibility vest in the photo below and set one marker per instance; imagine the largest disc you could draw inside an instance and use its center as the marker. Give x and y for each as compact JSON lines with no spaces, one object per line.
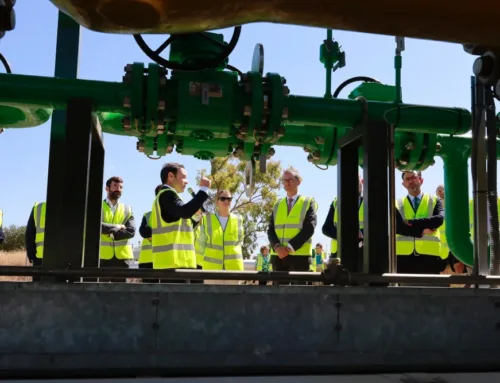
{"x":361,"y":215}
{"x":223,"y":250}
{"x":259,"y":264}
{"x":146,"y":254}
{"x":288,"y":226}
{"x":199,"y":255}
{"x":1,"y":218}
{"x":429,"y":244}
{"x":173,"y":243}
{"x":121,"y":249}
{"x":39,"y":214}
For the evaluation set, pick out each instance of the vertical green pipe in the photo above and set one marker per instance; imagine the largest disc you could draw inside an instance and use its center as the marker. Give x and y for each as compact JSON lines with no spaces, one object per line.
{"x":455,"y":153}
{"x":329,"y":67}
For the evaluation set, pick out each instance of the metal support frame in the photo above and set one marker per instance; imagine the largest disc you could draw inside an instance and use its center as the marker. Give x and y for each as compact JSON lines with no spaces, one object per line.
{"x":375,"y":197}
{"x":76,"y":162}
{"x":478,"y":163}
{"x":374,"y":137}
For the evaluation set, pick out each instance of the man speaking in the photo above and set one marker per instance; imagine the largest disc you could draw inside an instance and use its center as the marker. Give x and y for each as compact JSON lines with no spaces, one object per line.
{"x":171,"y":220}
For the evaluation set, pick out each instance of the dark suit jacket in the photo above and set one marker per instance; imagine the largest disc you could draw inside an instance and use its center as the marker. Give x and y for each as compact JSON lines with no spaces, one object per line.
{"x":30,"y":238}
{"x":302,"y":236}
{"x":172,"y":208}
{"x":418,"y":225}
{"x":145,"y":230}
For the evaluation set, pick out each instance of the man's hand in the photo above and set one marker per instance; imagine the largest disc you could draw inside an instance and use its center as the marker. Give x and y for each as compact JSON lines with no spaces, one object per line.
{"x":122,"y":227}
{"x":282,"y":252}
{"x":428,"y":231}
{"x":205,"y":182}
{"x":360,"y":235}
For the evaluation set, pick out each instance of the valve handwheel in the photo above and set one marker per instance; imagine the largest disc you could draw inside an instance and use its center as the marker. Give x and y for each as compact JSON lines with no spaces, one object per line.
{"x":155,"y":55}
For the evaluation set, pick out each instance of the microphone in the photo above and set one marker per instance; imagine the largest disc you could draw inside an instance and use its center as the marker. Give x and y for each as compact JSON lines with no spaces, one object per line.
{"x":191,"y":191}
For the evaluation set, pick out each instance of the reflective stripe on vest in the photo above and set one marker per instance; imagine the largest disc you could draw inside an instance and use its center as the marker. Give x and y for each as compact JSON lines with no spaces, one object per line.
{"x":199,"y":255}
{"x":361,"y":215}
{"x":146,"y":254}
{"x":121,"y":249}
{"x":288,"y":226}
{"x":39,"y":211}
{"x":173,"y":243}
{"x":223,"y":250}
{"x":429,"y":244}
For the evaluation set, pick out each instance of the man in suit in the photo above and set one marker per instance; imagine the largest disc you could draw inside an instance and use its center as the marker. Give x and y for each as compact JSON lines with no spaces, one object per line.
{"x":352,"y":263}
{"x":117,"y":229}
{"x":291,"y":227}
{"x":419,"y":216}
{"x":173,"y":221}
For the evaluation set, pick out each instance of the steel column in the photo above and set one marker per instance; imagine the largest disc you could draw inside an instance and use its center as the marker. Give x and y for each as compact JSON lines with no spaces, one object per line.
{"x":348,"y":199}
{"x":375,"y":197}
{"x":61,"y":226}
{"x":94,"y":197}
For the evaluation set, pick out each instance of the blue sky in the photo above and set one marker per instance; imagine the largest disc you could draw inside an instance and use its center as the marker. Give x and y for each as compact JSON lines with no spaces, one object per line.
{"x":434,"y":73}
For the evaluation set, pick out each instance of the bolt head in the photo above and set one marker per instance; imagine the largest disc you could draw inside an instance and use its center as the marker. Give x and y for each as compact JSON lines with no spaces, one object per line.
{"x":247,"y":111}
{"x":127,"y":102}
{"x":484,"y":66}
{"x":284,"y":114}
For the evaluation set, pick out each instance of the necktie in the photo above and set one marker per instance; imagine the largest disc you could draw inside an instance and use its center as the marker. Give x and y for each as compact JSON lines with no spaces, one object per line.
{"x":290,"y":204}
{"x":416,"y":202}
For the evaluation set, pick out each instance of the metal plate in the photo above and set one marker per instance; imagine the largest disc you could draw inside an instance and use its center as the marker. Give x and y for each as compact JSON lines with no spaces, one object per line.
{"x":258,"y":59}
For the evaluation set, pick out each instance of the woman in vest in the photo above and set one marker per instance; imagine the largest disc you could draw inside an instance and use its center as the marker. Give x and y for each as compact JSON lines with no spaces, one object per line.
{"x":221,"y":236}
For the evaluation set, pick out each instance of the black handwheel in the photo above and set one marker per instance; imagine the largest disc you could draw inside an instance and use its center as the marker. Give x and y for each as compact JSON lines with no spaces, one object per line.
{"x":211,"y":64}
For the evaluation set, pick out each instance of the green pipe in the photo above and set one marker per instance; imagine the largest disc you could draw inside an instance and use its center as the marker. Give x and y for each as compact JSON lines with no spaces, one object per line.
{"x":312,"y":111}
{"x":53,"y":92}
{"x":398,"y":64}
{"x":455,"y":152}
{"x":22,"y":116}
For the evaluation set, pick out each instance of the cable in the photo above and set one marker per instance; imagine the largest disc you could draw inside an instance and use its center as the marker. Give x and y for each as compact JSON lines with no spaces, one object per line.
{"x":320,"y":168}
{"x":234,"y":69}
{"x":210,"y":64}
{"x":5,"y":63}
{"x":350,"y":81}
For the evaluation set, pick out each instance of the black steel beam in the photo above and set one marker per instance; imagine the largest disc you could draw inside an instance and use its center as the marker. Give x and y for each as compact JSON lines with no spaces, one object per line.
{"x":94,"y":197}
{"x":352,"y":137}
{"x":67,"y":188}
{"x":347,"y":205}
{"x":375,"y":197}
{"x":348,"y":278}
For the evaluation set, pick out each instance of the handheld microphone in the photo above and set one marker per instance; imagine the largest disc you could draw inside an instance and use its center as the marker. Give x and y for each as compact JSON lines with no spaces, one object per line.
{"x":191,"y":191}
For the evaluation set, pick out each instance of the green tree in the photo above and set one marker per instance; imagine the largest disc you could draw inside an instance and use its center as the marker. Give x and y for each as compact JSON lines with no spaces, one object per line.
{"x":227,"y":173}
{"x":14,"y":238}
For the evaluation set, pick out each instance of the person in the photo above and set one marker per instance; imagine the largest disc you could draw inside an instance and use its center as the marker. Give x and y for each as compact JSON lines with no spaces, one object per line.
{"x":352,"y":263}
{"x":291,"y":227}
{"x":146,"y":254}
{"x":172,"y":220}
{"x":117,"y":229}
{"x":2,"y":235}
{"x":221,"y":236}
{"x":34,"y":236}
{"x":318,"y":258}
{"x":263,"y":263}
{"x":419,"y":217}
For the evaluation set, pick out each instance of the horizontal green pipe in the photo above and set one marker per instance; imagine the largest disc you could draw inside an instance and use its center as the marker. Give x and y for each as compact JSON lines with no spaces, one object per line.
{"x":347,"y":113}
{"x":54,"y":93}
{"x":22,"y":116}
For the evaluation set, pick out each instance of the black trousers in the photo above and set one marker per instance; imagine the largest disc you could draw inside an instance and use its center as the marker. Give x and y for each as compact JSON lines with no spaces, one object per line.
{"x":291,"y":263}
{"x":113,"y":263}
{"x":420,"y":264}
{"x":148,"y":265}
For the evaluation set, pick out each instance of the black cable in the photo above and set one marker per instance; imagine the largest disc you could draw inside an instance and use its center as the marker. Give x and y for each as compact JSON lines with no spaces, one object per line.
{"x":234,"y":69}
{"x":211,"y":64}
{"x":350,"y":81}
{"x":5,"y":63}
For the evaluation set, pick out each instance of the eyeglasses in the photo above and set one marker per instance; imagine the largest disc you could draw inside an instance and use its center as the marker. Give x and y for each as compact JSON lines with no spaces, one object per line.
{"x":225,"y":199}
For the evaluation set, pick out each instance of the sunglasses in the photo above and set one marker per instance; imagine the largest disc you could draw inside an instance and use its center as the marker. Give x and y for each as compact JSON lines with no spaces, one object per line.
{"x":225,"y":198}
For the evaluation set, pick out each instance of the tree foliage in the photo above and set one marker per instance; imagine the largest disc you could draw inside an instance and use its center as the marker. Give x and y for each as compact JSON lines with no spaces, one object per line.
{"x":227,"y":173}
{"x":14,"y":238}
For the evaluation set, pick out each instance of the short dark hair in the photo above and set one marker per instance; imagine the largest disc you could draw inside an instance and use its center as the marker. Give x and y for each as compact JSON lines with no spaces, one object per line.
{"x":157,"y":189}
{"x":262,"y":248}
{"x":419,"y":173}
{"x":115,"y":179}
{"x":169,"y":167}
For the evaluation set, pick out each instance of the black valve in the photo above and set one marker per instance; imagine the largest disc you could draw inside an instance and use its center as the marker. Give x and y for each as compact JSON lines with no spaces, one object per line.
{"x":7,"y":16}
{"x":487,"y":68}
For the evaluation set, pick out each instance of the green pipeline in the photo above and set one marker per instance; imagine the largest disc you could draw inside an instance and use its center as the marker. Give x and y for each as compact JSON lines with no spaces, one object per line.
{"x":23,"y":116}
{"x":455,"y":152}
{"x":53,"y":93}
